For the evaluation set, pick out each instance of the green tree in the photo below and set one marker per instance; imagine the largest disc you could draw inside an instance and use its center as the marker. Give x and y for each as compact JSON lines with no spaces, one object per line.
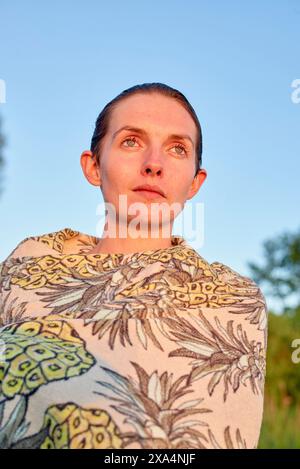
{"x":280,"y":272}
{"x":281,"y":419}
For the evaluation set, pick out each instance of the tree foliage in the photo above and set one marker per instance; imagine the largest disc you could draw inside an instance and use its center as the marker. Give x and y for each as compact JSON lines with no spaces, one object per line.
{"x":280,"y":272}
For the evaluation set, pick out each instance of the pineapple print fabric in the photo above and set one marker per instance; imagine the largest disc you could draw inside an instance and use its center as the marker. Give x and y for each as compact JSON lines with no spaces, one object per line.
{"x":154,"y":349}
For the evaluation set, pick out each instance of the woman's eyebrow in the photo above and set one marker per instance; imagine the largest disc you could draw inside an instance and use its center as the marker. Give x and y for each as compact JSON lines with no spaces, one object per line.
{"x":144,"y":133}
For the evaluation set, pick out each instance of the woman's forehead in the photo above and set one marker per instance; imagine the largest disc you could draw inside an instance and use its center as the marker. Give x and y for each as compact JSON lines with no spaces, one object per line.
{"x":152,"y":112}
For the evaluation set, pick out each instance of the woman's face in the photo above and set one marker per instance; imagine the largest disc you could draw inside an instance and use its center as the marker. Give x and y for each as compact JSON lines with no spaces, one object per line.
{"x":152,"y":155}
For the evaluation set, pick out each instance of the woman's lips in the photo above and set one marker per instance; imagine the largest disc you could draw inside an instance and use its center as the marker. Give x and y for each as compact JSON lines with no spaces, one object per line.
{"x":149,"y":194}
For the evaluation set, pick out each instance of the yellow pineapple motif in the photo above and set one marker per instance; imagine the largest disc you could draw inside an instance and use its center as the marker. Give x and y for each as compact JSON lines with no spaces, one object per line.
{"x":39,"y":352}
{"x":74,"y":427}
{"x":49,"y":270}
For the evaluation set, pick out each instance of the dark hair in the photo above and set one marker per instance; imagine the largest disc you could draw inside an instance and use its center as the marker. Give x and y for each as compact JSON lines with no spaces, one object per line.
{"x":102,"y":122}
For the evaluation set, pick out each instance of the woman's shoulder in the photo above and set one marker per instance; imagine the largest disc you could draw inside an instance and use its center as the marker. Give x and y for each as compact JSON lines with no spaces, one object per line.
{"x":39,"y":244}
{"x":228,"y":274}
{"x":248,"y":292}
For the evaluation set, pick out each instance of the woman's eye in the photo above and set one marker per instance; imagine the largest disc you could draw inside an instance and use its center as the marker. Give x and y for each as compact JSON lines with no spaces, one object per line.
{"x":133,"y":140}
{"x":181,"y":147}
{"x":130,"y":139}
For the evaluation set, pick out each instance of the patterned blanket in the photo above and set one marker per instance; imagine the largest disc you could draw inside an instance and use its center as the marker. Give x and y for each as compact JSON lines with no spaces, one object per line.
{"x":154,"y":349}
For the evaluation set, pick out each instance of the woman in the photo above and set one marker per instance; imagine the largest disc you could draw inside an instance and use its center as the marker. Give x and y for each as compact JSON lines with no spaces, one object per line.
{"x":131,"y":341}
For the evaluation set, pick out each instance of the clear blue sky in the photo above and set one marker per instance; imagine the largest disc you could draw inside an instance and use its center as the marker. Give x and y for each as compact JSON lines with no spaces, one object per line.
{"x":62,"y":61}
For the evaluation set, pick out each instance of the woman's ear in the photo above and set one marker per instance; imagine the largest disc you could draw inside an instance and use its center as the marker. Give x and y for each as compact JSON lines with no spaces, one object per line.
{"x":197,"y":183}
{"x":90,"y":168}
